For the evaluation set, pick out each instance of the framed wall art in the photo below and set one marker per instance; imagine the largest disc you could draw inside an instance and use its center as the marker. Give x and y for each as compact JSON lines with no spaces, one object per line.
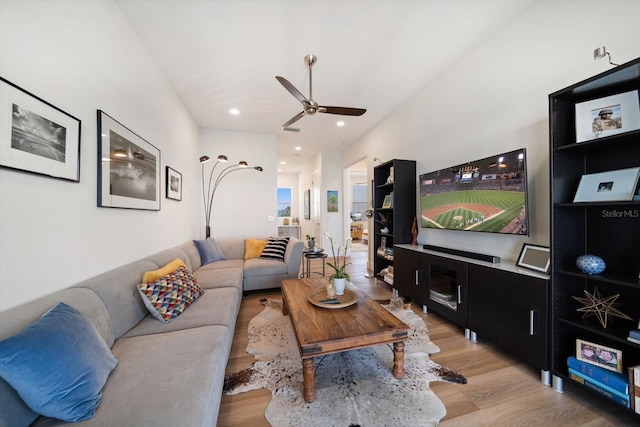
{"x":607,"y":116}
{"x":307,"y":204}
{"x":36,"y":136}
{"x":128,"y":168}
{"x":535,"y":257}
{"x":332,"y":201}
{"x":173,"y":184}
{"x":616,"y":185}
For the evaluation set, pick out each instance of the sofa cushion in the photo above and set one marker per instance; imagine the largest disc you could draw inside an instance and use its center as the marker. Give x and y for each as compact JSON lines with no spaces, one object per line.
{"x":216,"y":307}
{"x":275,"y":248}
{"x":170,"y":295}
{"x":263,"y":267}
{"x":152,"y":276}
{"x":254,"y":248}
{"x":58,"y":365}
{"x":220,"y":277}
{"x":209,"y":251}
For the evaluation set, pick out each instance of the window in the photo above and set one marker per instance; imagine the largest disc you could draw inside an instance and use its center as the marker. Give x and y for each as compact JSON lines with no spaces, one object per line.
{"x":284,"y":202}
{"x":359,"y":201}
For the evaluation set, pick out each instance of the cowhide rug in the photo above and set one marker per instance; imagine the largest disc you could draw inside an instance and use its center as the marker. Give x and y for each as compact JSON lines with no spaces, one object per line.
{"x":354,"y":388}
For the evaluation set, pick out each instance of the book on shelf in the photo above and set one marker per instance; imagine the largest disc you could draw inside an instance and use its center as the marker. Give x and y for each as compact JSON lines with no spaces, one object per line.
{"x":440,"y":295}
{"x":634,"y":336}
{"x":590,"y":383}
{"x":633,"y":340}
{"x":634,"y":387}
{"x":632,"y":393}
{"x":615,"y":380}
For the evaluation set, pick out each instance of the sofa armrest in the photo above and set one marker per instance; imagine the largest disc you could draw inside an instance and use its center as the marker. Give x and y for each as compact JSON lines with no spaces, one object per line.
{"x":293,"y":257}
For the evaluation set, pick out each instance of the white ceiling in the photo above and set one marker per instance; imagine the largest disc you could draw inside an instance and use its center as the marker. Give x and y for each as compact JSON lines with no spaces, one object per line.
{"x":371,"y":54}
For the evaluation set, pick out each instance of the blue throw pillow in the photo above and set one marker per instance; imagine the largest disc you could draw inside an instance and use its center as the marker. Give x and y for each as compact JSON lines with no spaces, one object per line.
{"x":58,"y":365}
{"x":209,"y":251}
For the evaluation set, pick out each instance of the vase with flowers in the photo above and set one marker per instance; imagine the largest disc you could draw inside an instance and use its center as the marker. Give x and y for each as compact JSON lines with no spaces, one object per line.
{"x":340,"y":277}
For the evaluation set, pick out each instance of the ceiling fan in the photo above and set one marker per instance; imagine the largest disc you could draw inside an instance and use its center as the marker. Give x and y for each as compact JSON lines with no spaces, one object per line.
{"x":310,"y":107}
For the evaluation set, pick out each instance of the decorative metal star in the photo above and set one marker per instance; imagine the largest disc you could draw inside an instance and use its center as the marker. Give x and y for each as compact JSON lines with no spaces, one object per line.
{"x":595,"y":305}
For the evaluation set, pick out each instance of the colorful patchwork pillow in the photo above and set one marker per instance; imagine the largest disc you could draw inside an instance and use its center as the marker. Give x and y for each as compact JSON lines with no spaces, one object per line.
{"x":58,"y":365}
{"x":169,"y":296}
{"x":253,"y":248}
{"x":275,"y":248}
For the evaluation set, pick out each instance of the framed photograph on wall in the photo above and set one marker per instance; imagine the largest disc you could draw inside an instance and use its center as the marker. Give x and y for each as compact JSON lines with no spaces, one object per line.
{"x":387,"y":203}
{"x":617,"y":185}
{"x":128,"y":168}
{"x":535,"y":257}
{"x":174,"y":184}
{"x":332,"y":201}
{"x":307,"y":204}
{"x":36,"y":136}
{"x":599,"y":355}
{"x":607,"y":116}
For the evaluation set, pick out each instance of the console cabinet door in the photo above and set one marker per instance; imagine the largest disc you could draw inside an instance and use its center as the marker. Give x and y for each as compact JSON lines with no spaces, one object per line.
{"x":510,"y":310}
{"x":408,"y":276}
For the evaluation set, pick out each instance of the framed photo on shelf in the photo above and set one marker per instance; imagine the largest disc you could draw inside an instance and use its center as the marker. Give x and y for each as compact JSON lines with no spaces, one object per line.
{"x":383,"y":242}
{"x":599,"y":355}
{"x":387,"y":203}
{"x":607,"y":116}
{"x":616,"y":185}
{"x":535,"y":257}
{"x":128,"y":168}
{"x":37,"y":137}
{"x":174,"y":184}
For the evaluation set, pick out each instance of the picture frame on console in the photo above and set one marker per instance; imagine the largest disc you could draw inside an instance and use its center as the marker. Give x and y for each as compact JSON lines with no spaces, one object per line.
{"x":36,"y":136}
{"x":128,"y":168}
{"x":616,"y":185}
{"x":535,"y":257}
{"x":607,"y":116}
{"x":173,"y":184}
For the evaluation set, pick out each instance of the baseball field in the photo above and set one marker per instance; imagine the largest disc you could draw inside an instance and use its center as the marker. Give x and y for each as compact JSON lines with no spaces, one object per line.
{"x":478,"y":210}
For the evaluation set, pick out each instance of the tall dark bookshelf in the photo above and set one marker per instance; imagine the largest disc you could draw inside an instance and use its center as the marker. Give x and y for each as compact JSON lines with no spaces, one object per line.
{"x":402,"y":191}
{"x":610,"y":230}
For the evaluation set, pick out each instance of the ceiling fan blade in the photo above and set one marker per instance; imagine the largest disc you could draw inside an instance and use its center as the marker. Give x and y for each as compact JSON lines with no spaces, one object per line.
{"x":292,"y":90}
{"x":345,"y":111}
{"x":294,"y":119}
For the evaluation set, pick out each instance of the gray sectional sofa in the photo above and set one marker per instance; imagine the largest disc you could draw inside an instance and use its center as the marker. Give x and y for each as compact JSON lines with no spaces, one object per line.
{"x":168,"y":374}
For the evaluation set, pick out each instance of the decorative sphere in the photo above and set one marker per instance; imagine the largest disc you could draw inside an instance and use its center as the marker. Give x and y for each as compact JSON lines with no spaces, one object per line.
{"x":590,"y":264}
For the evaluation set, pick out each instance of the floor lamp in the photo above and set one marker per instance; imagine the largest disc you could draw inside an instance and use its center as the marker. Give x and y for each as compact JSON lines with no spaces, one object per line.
{"x":209,"y":190}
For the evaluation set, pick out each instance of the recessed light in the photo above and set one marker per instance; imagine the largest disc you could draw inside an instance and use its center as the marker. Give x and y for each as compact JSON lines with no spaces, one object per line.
{"x":234,"y":111}
{"x":297,"y":148}
{"x":279,"y":170}
{"x":340,"y":123}
{"x":283,"y":162}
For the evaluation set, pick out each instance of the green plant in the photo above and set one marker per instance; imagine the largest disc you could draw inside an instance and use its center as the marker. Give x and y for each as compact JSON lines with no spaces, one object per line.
{"x":339,"y":270}
{"x":311,"y":238}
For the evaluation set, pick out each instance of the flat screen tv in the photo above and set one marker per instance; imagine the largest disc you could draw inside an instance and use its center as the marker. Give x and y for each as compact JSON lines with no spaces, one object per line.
{"x":487,"y":195}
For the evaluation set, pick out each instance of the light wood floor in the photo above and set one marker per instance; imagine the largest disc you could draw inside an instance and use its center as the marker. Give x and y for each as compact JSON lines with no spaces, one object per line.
{"x":500,"y":391}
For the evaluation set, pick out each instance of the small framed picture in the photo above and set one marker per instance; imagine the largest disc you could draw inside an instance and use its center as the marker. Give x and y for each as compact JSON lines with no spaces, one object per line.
{"x":607,"y":116}
{"x":387,"y":204}
{"x":383,"y":242}
{"x":332,"y":200}
{"x":618,"y":185}
{"x":599,"y":355}
{"x":535,"y":257}
{"x":37,"y":137}
{"x":174,"y":184}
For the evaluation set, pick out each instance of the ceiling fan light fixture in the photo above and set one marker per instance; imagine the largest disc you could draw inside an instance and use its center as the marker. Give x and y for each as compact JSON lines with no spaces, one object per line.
{"x":601,"y":52}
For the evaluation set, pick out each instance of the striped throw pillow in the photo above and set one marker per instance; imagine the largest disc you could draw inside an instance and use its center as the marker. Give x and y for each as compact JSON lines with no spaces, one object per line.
{"x":275,"y":249}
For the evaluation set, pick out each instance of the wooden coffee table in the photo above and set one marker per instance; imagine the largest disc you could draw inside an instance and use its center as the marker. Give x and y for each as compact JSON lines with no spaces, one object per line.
{"x":321,"y":331}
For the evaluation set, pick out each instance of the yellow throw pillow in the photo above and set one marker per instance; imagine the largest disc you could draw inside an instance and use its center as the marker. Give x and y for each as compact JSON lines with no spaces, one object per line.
{"x":254,"y":248}
{"x":152,"y":276}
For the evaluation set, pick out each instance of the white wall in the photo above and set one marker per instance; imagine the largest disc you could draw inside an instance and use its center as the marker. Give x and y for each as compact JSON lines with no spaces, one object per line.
{"x":245,"y":199}
{"x":496,"y":100}
{"x":80,"y":57}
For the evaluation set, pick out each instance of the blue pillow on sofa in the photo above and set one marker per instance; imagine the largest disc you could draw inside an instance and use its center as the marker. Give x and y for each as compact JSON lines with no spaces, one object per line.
{"x":209,"y":251}
{"x":58,"y":365}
